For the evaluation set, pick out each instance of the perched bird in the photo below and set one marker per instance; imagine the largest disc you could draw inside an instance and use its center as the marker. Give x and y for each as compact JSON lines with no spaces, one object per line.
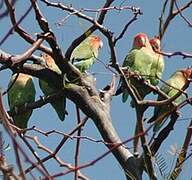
{"x":58,"y":104}
{"x":158,"y":65}
{"x":22,"y":91}
{"x":86,"y":53}
{"x":176,"y":82}
{"x":139,"y":60}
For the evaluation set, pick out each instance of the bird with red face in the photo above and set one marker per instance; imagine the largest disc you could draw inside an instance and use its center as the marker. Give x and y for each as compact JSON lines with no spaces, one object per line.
{"x":178,"y":81}
{"x":59,"y":104}
{"x":139,"y":61}
{"x":158,"y":65}
{"x":86,"y":53}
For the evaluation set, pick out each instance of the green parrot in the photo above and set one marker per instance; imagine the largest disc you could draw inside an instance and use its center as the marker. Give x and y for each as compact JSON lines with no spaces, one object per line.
{"x":177,"y":81}
{"x":139,"y":60}
{"x":158,"y":65}
{"x":59,"y":104}
{"x":21,"y":92}
{"x":86,"y":53}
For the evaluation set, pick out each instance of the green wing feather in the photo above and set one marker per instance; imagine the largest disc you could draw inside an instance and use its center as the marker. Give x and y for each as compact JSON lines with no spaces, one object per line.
{"x":138,"y":61}
{"x":157,"y":69}
{"x":83,"y":56}
{"x":21,"y":92}
{"x":58,"y":104}
{"x":84,"y":64}
{"x":83,"y":52}
{"x":160,"y":112}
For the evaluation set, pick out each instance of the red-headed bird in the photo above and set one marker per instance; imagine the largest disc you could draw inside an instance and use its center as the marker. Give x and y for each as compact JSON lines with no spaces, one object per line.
{"x":176,"y":82}
{"x":58,"y":104}
{"x":139,"y":60}
{"x":158,"y":65}
{"x":86,"y":53}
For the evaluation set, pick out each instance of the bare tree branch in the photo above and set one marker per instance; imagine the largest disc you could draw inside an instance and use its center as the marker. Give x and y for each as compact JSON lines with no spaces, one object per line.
{"x":5,"y":12}
{"x":59,"y":146}
{"x":26,"y":36}
{"x":181,"y":14}
{"x":171,"y":15}
{"x":16,"y":24}
{"x":77,"y":151}
{"x":5,"y":121}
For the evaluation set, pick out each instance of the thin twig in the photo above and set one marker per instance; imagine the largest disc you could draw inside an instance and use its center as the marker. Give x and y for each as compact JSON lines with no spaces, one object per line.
{"x":5,"y":119}
{"x":146,"y":150}
{"x":22,"y":33}
{"x":16,"y":24}
{"x":59,"y":146}
{"x":18,"y":161}
{"x":28,"y":53}
{"x":34,"y":154}
{"x":6,"y":12}
{"x":77,"y":151}
{"x":91,"y":163}
{"x":134,"y":18}
{"x":176,"y":53}
{"x":182,"y":16}
{"x":171,"y":15}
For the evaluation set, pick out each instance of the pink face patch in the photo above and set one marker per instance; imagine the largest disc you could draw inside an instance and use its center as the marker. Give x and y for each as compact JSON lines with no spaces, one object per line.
{"x":140,"y":40}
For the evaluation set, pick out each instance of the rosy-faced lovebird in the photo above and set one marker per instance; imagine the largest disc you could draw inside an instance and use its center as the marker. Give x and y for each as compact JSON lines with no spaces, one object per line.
{"x":21,"y":92}
{"x":157,"y":66}
{"x":176,"y":82}
{"x":58,"y":104}
{"x":139,"y":60}
{"x":86,"y":53}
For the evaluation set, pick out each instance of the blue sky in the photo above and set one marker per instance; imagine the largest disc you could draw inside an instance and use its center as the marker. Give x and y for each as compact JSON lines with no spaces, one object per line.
{"x":177,"y":38}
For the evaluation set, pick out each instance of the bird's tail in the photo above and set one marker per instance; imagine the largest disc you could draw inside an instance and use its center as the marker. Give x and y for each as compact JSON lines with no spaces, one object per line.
{"x":118,"y":91}
{"x":121,"y":89}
